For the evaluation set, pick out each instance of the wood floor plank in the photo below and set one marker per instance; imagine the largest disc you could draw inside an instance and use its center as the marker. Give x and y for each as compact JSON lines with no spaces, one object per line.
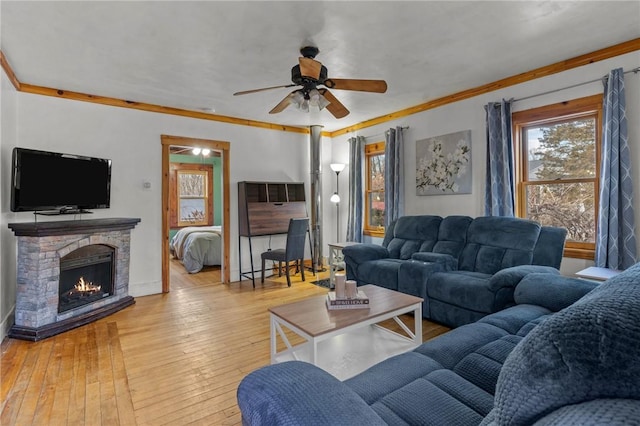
{"x":64,"y":381}
{"x":77,"y":406}
{"x":173,"y":359}
{"x":15,"y":395}
{"x":49,"y":385}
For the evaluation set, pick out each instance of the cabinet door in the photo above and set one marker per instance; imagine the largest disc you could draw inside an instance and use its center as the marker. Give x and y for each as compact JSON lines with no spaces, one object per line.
{"x":273,"y":218}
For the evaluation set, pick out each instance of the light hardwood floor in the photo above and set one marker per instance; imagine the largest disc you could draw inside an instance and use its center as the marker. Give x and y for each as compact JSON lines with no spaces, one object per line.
{"x":170,"y":359}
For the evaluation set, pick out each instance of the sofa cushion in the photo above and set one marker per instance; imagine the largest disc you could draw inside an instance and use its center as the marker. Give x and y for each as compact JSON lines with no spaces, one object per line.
{"x":394,"y":373}
{"x":482,"y":366}
{"x":263,"y":403}
{"x":584,"y":352}
{"x":452,"y":235}
{"x":383,"y":273}
{"x":459,"y":402}
{"x":495,"y":243}
{"x":550,"y":247}
{"x":517,"y":319}
{"x":412,"y":234}
{"x":551,"y":291}
{"x":610,"y":412}
{"x":412,"y":278}
{"x":462,"y":288}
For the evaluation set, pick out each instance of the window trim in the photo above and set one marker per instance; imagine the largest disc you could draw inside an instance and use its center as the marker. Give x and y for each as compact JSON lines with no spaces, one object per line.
{"x":371,"y":150}
{"x":548,"y":114}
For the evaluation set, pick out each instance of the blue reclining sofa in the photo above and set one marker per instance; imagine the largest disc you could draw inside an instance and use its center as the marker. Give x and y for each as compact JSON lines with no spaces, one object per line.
{"x":564,"y":354}
{"x":463,"y":268}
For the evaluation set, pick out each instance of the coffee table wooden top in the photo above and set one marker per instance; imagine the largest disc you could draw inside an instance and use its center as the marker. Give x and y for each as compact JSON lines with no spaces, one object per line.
{"x":314,"y":318}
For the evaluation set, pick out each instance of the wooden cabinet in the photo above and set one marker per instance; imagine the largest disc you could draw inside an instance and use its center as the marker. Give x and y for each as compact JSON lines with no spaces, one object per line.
{"x":266,"y":207}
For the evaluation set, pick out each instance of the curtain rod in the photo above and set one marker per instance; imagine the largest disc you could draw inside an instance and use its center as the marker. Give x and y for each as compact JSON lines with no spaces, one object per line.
{"x":635,"y":71}
{"x":383,"y":133}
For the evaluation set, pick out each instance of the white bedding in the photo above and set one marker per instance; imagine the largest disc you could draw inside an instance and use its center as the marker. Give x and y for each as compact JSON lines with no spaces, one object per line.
{"x":197,"y":246}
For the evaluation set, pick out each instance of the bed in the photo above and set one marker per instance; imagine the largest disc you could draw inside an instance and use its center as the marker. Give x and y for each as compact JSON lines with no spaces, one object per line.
{"x":197,"y":246}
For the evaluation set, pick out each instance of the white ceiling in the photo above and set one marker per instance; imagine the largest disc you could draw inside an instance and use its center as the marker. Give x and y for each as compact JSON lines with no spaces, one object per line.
{"x":195,"y":55}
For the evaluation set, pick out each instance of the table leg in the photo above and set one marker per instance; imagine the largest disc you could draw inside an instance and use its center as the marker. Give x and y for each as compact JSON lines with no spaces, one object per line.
{"x":417,"y":317}
{"x":313,"y":344}
{"x":332,"y":269}
{"x":272,"y":326}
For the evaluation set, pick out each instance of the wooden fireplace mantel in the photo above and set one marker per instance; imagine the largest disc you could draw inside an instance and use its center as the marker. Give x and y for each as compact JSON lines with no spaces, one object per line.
{"x":69,"y":227}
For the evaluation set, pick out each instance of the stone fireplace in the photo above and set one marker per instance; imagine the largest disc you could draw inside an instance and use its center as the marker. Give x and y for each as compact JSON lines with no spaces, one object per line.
{"x":69,"y":274}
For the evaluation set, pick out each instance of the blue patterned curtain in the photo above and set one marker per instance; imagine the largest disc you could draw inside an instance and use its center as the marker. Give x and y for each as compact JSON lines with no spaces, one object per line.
{"x":394,"y":176}
{"x":616,"y":237}
{"x":499,"y":195}
{"x":356,"y":189}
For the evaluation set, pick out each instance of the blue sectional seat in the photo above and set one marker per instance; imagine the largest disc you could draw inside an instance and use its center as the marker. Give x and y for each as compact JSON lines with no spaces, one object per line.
{"x":567,"y":353}
{"x":463,"y":268}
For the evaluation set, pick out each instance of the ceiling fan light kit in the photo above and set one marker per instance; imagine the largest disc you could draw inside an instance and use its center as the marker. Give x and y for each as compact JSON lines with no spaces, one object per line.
{"x":310,"y":74}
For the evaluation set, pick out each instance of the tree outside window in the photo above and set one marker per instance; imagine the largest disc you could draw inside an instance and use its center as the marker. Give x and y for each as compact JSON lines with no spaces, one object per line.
{"x":558,"y":170}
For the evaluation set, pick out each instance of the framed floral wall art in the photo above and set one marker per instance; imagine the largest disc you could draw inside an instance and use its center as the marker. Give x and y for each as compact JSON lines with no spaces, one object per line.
{"x":443,"y":164}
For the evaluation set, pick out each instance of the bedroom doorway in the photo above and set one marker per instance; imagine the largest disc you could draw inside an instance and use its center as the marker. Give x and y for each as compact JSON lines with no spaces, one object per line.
{"x":220,"y":151}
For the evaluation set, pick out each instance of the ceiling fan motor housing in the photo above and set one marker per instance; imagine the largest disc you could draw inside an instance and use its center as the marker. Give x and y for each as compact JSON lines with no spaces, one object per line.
{"x":309,"y":51}
{"x":307,"y":82}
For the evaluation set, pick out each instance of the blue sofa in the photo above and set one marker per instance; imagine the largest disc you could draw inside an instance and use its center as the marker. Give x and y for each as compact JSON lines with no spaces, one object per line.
{"x":566,"y":353}
{"x":463,"y":268}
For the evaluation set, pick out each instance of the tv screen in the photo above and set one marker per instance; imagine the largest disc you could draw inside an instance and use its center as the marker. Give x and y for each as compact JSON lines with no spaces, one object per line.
{"x":43,"y":180}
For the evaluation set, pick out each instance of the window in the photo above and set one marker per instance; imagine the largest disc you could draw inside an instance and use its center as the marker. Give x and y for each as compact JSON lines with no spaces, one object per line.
{"x":374,"y":187}
{"x":191,"y":195}
{"x":557,"y":169}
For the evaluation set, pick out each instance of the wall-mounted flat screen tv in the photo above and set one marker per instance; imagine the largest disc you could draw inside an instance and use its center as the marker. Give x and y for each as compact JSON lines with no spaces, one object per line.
{"x":42,"y":180}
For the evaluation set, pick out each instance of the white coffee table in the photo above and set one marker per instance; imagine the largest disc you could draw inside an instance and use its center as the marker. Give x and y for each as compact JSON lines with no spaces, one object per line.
{"x":346,"y":342}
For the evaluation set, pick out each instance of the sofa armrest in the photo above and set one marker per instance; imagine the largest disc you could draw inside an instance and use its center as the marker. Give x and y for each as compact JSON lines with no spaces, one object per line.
{"x":299,"y":393}
{"x":449,"y":262}
{"x":552,"y":291}
{"x":510,"y":277}
{"x":360,"y":253}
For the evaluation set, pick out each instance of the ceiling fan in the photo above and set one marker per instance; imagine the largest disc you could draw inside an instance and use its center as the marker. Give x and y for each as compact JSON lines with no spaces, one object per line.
{"x":310,"y":74}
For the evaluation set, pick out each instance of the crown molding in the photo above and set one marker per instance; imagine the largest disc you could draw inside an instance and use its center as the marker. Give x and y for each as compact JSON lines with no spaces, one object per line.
{"x":578,"y":61}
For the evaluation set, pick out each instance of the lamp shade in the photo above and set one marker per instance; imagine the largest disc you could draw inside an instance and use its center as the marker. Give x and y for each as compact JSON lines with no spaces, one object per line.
{"x":337,"y":167}
{"x":335,"y":198}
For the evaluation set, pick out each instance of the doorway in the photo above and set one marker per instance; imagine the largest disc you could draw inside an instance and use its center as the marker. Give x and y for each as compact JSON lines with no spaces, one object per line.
{"x":218,"y":146}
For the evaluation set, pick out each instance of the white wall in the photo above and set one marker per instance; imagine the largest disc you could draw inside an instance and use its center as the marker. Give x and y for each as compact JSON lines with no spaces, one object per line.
{"x":469,"y":115}
{"x":8,"y":134}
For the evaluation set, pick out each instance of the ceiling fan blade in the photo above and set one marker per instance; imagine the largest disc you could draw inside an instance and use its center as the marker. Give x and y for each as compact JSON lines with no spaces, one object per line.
{"x":377,"y":86}
{"x":282,"y":105}
{"x":335,"y":107}
{"x":246,"y":92}
{"x":310,"y":68}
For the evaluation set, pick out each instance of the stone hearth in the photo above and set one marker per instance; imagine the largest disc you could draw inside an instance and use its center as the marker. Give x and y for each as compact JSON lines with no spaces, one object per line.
{"x":41,"y":245}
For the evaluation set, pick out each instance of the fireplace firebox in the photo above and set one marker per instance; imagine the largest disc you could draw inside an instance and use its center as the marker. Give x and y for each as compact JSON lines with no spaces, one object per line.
{"x":86,"y":276}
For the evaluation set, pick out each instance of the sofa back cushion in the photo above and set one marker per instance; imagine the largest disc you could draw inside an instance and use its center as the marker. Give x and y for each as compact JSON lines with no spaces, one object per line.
{"x":550,"y":247}
{"x":495,"y":243}
{"x":412,"y":234}
{"x":452,"y":235}
{"x":582,"y":353}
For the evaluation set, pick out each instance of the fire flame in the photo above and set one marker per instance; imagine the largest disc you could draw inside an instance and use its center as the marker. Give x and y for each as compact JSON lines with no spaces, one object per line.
{"x":86,"y":287}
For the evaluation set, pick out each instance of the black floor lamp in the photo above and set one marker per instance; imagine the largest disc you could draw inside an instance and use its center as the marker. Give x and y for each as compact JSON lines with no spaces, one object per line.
{"x":335,"y":198}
